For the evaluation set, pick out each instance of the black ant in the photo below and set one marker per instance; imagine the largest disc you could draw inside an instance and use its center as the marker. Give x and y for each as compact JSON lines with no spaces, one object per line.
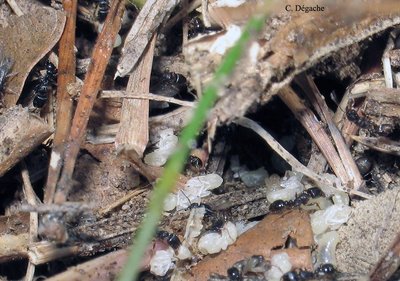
{"x":170,"y":238}
{"x":41,"y":89}
{"x":365,"y":123}
{"x":103,"y":7}
{"x":301,"y":199}
{"x":196,"y":27}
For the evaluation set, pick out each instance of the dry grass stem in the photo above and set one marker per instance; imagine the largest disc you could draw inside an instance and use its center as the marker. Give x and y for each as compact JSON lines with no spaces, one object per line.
{"x":122,"y":94}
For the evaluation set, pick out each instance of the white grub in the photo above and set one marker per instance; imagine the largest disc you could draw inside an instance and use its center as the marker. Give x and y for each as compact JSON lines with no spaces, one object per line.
{"x":228,"y":3}
{"x":184,"y":253}
{"x":229,"y":232}
{"x":161,"y":262}
{"x":194,"y":224}
{"x":327,"y":243}
{"x":281,"y":261}
{"x":280,"y":264}
{"x":331,"y":218}
{"x":274,"y":274}
{"x":273,"y":182}
{"x":254,"y":178}
{"x":209,"y":243}
{"x":197,"y":188}
{"x":288,"y":190}
{"x":226,"y":41}
{"x":214,"y":242}
{"x":170,"y":202}
{"x":320,"y":203}
{"x":165,"y":146}
{"x":341,"y":198}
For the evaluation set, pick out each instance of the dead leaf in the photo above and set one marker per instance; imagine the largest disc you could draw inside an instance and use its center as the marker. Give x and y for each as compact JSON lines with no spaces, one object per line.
{"x":271,"y":233}
{"x":26,"y":40}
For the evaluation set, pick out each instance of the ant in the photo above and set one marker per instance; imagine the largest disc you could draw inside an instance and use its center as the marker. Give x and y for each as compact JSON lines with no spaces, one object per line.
{"x":301,"y":199}
{"x":365,"y":123}
{"x":41,"y":89}
{"x":103,"y":7}
{"x":196,"y":27}
{"x":170,"y":238}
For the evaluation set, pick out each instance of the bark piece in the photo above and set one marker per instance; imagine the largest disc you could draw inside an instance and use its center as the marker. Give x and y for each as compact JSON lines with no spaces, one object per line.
{"x":269,"y":234}
{"x":20,"y":133}
{"x":135,"y":112}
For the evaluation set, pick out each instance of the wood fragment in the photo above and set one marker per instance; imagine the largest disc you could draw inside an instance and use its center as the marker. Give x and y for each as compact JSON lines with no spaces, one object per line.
{"x":381,"y":144}
{"x":149,"y":19}
{"x":66,"y":76}
{"x":14,"y":6}
{"x":14,"y":246}
{"x":319,"y":103}
{"x":20,"y":133}
{"x":44,"y":251}
{"x":101,"y":54}
{"x":316,"y":131}
{"x":135,"y":112}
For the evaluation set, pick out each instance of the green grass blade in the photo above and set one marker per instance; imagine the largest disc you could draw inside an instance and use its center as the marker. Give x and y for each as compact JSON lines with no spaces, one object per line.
{"x":177,"y":160}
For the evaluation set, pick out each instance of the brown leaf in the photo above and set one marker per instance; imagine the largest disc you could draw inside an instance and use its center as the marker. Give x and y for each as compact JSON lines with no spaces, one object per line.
{"x":26,"y":40}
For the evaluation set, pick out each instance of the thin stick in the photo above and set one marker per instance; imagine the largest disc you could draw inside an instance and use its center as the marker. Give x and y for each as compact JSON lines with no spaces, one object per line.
{"x":121,"y":201}
{"x":14,"y":6}
{"x":122,"y":94}
{"x":33,"y":217}
{"x":66,"y":76}
{"x":101,"y":55}
{"x":316,"y":131}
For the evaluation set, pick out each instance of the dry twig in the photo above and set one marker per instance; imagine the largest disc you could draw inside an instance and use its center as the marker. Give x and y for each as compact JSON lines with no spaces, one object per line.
{"x":33,"y":217}
{"x":101,"y":55}
{"x":66,"y":76}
